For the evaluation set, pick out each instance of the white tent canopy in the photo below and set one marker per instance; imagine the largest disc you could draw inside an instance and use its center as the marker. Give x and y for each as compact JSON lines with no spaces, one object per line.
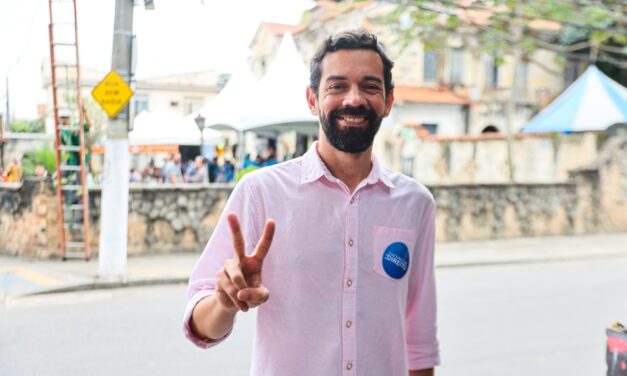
{"x":276,"y":104}
{"x":283,"y":103}
{"x":169,"y":128}
{"x":227,"y":110}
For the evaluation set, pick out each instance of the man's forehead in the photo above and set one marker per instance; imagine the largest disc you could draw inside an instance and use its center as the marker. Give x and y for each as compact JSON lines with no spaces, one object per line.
{"x":358,"y":62}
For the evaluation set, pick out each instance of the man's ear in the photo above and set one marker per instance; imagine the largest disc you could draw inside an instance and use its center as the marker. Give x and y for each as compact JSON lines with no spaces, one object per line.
{"x":312,"y":101}
{"x":389,"y":101}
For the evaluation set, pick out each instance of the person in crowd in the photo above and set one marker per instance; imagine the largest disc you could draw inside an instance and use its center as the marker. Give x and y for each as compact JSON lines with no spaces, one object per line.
{"x":213,"y":169}
{"x":343,"y":278}
{"x":249,"y":162}
{"x":171,"y":170}
{"x":199,"y":173}
{"x":180,"y":167}
{"x":229,"y":171}
{"x":135,"y":176}
{"x":271,"y":157}
{"x":13,"y":172}
{"x":40,"y":171}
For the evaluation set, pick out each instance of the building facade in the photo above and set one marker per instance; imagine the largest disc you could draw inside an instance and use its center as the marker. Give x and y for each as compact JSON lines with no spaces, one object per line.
{"x":450,"y":91}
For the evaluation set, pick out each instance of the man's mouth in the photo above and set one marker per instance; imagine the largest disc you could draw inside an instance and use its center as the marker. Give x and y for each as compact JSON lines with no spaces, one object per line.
{"x":348,"y":120}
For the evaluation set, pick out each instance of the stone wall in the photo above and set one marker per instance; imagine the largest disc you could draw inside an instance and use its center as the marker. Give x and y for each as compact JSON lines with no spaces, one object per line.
{"x":27,"y":212}
{"x":162,"y":218}
{"x":499,"y":211}
{"x":176,"y":218}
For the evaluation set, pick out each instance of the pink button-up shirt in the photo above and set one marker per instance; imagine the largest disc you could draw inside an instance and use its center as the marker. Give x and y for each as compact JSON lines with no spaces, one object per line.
{"x":351,"y":278}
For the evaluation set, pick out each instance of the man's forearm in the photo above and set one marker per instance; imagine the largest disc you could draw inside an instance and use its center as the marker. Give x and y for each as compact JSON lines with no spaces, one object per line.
{"x":422,"y":372}
{"x":210,"y":319}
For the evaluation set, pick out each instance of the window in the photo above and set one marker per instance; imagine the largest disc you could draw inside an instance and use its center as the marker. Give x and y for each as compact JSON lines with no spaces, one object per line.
{"x":490,"y":129}
{"x":492,"y":72}
{"x":192,"y":104}
{"x":407,"y":166}
{"x":430,"y":72}
{"x":457,"y":65}
{"x":141,"y":103}
{"x":571,"y":72}
{"x":431,"y":128}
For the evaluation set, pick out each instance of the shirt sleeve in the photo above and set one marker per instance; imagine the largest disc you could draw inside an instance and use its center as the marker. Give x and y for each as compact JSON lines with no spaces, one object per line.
{"x":420,"y":316}
{"x":202,"y":282}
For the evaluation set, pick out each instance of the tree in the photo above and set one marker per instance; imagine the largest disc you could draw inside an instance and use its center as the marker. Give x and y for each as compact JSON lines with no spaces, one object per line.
{"x":578,"y":29}
{"x":574,"y":29}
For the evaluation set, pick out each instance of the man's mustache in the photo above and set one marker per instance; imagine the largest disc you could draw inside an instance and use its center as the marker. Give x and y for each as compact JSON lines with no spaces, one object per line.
{"x":356,"y":111}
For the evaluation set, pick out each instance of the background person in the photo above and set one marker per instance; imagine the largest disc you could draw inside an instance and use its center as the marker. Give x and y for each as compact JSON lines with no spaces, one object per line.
{"x":13,"y":172}
{"x":199,"y":173}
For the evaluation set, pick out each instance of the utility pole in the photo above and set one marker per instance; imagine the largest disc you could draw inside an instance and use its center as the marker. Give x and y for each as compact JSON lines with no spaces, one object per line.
{"x":114,"y":203}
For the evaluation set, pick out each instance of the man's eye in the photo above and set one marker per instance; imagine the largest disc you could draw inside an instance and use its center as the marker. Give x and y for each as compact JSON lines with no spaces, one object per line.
{"x":336,"y":87}
{"x":372,"y":88}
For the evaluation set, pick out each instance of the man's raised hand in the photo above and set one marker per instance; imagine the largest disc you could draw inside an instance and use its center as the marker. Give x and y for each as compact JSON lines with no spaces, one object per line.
{"x":238,"y":282}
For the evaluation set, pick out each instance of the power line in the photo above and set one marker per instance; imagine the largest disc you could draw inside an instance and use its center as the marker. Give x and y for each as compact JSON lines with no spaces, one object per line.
{"x":30,"y":33}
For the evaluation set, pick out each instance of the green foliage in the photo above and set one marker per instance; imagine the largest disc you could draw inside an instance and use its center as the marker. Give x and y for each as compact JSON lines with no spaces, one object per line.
{"x":28,"y":126}
{"x":589,"y":30}
{"x":44,"y":156}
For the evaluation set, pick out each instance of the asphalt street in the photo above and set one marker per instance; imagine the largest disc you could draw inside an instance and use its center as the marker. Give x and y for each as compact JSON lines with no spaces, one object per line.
{"x":508,"y":319}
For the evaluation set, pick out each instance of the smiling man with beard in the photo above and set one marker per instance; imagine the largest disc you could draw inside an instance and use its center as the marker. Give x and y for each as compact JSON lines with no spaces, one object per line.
{"x":349,"y":260}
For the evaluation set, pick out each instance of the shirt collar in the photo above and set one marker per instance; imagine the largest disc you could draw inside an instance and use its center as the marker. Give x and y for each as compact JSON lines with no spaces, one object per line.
{"x":313,"y":168}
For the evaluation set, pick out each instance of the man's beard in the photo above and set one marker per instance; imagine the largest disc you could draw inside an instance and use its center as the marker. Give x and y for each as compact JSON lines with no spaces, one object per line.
{"x":351,"y":139}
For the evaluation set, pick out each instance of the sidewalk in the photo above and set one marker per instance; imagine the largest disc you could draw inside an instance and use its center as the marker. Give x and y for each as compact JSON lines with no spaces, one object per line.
{"x":20,"y":277}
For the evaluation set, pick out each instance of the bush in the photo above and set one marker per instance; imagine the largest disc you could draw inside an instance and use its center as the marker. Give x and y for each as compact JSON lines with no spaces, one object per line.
{"x":28,"y":126}
{"x":44,"y":156}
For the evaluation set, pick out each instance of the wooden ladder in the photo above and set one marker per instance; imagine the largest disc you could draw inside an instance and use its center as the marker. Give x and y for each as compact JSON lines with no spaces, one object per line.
{"x":69,"y":131}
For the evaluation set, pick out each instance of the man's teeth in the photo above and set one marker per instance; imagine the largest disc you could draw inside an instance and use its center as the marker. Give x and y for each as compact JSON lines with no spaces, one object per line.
{"x":354,"y":119}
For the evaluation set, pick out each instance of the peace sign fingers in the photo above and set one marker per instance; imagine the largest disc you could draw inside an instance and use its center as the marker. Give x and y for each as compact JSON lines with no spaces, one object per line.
{"x":236,"y":233}
{"x":266,"y":240}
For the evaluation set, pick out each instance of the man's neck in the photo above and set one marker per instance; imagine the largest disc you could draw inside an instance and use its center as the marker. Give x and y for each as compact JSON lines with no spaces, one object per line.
{"x":350,"y":168}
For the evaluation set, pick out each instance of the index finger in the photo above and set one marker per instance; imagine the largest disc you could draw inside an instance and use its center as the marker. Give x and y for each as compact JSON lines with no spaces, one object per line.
{"x":236,"y":233}
{"x":266,"y":240}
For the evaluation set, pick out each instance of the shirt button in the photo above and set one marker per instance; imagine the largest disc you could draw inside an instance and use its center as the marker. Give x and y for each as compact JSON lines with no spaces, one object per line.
{"x":350,"y":242}
{"x":349,"y":324}
{"x":349,"y":283}
{"x":349,"y":366}
{"x":352,"y":199}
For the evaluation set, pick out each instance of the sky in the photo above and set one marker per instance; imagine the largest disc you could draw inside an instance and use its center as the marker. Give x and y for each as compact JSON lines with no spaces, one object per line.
{"x":177,"y":36}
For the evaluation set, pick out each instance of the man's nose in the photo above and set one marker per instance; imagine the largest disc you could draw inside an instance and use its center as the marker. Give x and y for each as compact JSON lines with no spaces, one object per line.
{"x":354,"y":97}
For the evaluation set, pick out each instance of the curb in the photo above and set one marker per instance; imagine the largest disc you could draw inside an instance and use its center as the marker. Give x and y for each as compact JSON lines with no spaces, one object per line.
{"x":538,"y":260}
{"x":102,"y":286}
{"x":126,"y":283}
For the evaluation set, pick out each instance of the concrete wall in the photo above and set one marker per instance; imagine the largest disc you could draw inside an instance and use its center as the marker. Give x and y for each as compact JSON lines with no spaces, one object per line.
{"x":470,"y":160}
{"x":450,"y":118}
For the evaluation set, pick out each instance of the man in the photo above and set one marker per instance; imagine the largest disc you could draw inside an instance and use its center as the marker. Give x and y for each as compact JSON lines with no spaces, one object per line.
{"x":171,"y":170}
{"x":199,"y":173}
{"x":350,"y":270}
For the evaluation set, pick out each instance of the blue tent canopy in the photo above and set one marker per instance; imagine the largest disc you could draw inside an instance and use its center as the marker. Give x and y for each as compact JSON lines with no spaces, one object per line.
{"x":593,"y":102}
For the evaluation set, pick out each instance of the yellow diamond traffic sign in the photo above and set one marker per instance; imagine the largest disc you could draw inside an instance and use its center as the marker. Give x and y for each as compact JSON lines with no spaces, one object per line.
{"x":112,"y":93}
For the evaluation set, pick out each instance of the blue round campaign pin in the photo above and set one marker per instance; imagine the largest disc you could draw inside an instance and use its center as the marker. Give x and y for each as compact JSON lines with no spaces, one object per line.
{"x":396,"y":260}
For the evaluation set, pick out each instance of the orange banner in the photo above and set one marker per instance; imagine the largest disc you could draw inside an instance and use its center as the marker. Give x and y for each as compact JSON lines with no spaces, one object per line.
{"x":141,"y":149}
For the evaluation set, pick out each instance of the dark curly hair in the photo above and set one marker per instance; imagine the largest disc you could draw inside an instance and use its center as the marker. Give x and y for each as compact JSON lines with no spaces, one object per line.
{"x":359,"y":39}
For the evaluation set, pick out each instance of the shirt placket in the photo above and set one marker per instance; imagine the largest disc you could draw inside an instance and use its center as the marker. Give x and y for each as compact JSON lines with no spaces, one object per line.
{"x":349,"y":301}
